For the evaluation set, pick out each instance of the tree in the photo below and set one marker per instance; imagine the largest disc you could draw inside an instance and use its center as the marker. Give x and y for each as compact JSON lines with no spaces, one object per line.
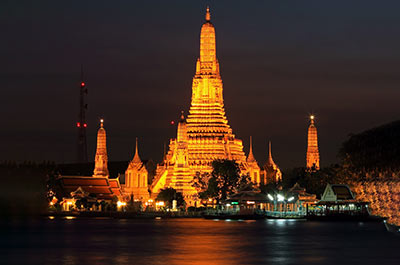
{"x":168,"y":195}
{"x":224,"y":180}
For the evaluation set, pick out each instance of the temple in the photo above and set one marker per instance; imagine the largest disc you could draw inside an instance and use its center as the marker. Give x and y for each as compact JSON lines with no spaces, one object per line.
{"x":98,"y":189}
{"x":136,"y":178}
{"x":312,"y":147}
{"x":204,"y":135}
{"x":272,"y":173}
{"x":101,"y":159}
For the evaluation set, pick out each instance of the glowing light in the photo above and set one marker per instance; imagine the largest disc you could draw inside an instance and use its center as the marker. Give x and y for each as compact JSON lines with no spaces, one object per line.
{"x":228,"y":204}
{"x":78,"y":124}
{"x":69,"y":202}
{"x":51,"y":217}
{"x":270,"y":197}
{"x":83,"y":84}
{"x":69,"y":217}
{"x":291,"y":199}
{"x":160,"y":203}
{"x":85,"y":125}
{"x":312,"y":117}
{"x":250,"y":202}
{"x":172,"y":122}
{"x":120,"y":204}
{"x":280,"y":198}
{"x":101,"y":120}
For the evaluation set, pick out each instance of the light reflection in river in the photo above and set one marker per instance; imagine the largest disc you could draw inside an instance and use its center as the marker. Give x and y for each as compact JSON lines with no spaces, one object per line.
{"x":195,"y":241}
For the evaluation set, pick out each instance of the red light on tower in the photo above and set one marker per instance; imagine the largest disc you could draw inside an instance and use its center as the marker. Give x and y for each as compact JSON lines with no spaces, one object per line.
{"x":78,"y":124}
{"x":172,"y":122}
{"x":85,"y":125}
{"x":83,"y":84}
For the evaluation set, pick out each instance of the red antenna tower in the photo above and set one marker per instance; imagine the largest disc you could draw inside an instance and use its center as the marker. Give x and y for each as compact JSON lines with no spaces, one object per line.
{"x":82,"y":156}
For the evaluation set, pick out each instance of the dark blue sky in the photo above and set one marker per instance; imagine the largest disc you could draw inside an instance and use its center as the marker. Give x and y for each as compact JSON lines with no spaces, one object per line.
{"x":280,"y":61}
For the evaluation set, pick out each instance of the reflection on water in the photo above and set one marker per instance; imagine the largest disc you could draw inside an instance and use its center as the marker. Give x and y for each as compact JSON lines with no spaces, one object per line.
{"x":194,"y":241}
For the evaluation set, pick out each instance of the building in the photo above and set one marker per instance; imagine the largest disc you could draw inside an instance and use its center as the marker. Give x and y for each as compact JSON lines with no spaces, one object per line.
{"x":101,"y":158}
{"x":293,"y":203}
{"x":136,"y":178}
{"x":338,"y":202}
{"x":271,"y":171}
{"x":93,"y":189}
{"x":204,"y":135}
{"x":312,"y":146}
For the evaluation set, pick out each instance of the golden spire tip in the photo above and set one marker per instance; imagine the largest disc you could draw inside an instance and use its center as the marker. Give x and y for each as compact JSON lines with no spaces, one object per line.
{"x":208,"y":15}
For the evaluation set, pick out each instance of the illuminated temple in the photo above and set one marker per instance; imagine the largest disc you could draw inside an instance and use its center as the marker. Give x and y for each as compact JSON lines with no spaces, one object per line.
{"x":312,"y":146}
{"x":204,"y":135}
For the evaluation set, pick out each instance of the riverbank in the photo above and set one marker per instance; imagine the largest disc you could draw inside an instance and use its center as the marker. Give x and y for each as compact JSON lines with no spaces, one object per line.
{"x":126,"y":215}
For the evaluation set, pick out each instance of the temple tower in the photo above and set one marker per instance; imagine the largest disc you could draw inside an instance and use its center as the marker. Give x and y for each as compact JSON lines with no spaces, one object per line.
{"x":210,"y":137}
{"x":101,"y":158}
{"x":272,"y":173}
{"x":312,"y":147}
{"x":205,"y":135}
{"x":253,"y":168}
{"x":136,"y":178}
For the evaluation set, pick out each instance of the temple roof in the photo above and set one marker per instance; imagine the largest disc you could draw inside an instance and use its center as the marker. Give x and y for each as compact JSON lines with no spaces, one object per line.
{"x":136,"y":158}
{"x":251,"y":158}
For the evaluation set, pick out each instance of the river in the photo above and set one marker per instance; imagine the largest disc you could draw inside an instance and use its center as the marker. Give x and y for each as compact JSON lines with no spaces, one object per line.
{"x":195,"y":241}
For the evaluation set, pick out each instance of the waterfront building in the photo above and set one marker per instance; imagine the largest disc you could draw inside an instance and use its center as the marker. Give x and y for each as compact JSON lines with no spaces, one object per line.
{"x":271,"y":171}
{"x":338,"y":202}
{"x":136,"y":178}
{"x":205,"y":134}
{"x":291,"y":203}
{"x":96,"y":188}
{"x":312,"y":146}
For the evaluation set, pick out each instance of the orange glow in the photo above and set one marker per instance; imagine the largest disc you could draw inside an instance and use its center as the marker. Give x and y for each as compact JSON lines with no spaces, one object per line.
{"x":312,"y":148}
{"x":205,"y":135}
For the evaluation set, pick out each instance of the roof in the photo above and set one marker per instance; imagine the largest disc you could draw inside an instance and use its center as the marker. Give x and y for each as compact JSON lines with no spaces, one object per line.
{"x":100,"y":187}
{"x":337,"y":192}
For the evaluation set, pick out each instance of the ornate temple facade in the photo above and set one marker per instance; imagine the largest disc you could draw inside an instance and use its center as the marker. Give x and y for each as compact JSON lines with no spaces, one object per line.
{"x":136,"y":178}
{"x":312,"y":146}
{"x":204,"y":135}
{"x":101,"y":158}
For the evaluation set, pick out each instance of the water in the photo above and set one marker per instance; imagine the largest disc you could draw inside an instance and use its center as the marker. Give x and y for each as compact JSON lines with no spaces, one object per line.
{"x":195,"y":241}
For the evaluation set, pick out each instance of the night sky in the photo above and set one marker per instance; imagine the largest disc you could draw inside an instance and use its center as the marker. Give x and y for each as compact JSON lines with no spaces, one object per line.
{"x":280,"y":61}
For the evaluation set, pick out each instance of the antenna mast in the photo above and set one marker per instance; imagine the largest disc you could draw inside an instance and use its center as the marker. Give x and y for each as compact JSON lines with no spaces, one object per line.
{"x":81,"y":124}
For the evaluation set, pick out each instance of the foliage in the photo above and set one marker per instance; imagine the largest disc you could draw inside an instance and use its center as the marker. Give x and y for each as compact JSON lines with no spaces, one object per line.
{"x":377,"y":148}
{"x":168,"y":195}
{"x":225,"y":179}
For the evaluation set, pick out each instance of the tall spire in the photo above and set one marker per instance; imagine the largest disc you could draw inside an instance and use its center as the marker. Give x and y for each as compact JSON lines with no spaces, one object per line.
{"x":207,"y":63}
{"x":136,"y":158}
{"x":312,"y":146}
{"x":270,"y":160}
{"x":101,"y":158}
{"x":208,"y":15}
{"x":251,"y":158}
